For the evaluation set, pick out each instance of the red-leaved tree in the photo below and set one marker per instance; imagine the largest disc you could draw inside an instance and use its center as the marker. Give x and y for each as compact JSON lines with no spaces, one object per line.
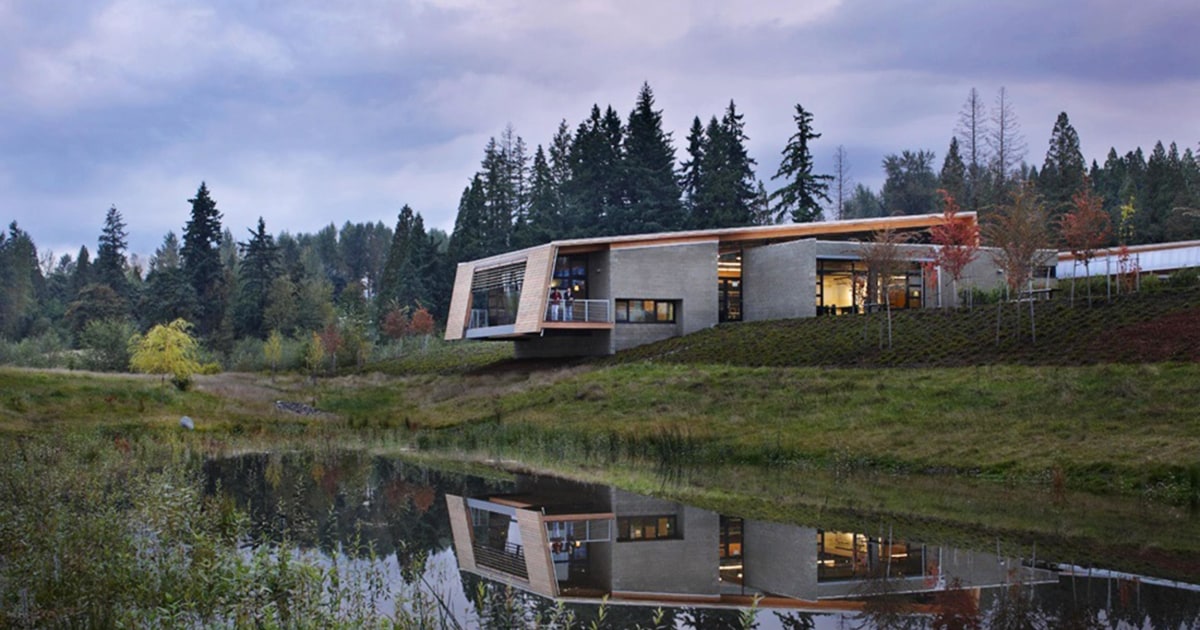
{"x":957,"y":241}
{"x":396,"y":324}
{"x":1085,"y":229}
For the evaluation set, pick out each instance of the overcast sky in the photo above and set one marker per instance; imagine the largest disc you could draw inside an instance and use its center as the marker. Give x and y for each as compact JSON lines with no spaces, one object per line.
{"x":308,"y":112}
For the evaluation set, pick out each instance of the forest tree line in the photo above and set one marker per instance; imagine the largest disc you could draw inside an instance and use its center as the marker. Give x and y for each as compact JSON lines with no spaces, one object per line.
{"x":365,"y":283}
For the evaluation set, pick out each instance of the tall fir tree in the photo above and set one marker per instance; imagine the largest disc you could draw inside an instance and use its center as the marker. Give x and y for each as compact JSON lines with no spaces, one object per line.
{"x":953,"y":176}
{"x":595,"y":192}
{"x":202,"y":260}
{"x":402,"y":283}
{"x":725,"y":190}
{"x":652,"y":191}
{"x":690,"y":176}
{"x":468,"y":241}
{"x":259,"y":268}
{"x":1063,"y":172}
{"x":111,"y":263}
{"x":801,"y":195}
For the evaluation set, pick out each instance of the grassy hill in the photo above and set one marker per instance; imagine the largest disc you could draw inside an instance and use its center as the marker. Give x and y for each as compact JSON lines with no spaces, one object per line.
{"x":1146,"y":327}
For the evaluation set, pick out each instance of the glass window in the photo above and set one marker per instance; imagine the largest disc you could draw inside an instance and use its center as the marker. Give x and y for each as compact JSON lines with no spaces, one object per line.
{"x":645,"y":311}
{"x":646,"y":528}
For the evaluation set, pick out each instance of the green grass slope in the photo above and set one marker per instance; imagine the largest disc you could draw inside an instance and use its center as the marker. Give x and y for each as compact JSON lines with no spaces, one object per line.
{"x":1145,"y":327}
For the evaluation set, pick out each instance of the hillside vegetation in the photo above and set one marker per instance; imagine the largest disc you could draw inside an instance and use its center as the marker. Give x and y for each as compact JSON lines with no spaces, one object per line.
{"x":1146,"y":327}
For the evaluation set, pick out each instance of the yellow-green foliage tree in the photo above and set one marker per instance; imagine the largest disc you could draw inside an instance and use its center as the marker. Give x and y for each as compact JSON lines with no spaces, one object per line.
{"x":166,"y":349}
{"x":273,"y":350}
{"x":314,"y":354}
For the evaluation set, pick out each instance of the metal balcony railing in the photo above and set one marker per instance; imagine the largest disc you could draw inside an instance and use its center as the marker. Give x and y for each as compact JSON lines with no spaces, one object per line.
{"x":510,"y":560}
{"x":589,"y":311}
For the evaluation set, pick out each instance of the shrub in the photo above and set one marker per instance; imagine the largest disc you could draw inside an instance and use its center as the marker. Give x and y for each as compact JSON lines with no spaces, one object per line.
{"x":107,"y":343}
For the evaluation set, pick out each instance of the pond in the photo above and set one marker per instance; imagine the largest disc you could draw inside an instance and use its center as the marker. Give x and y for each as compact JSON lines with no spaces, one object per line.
{"x":518,"y":550}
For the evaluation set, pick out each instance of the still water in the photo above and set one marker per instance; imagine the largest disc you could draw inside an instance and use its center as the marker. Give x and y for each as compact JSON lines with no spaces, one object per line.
{"x":512,"y":550}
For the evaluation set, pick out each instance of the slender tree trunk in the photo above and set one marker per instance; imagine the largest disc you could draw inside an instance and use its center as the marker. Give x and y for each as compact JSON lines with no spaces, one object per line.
{"x":999,"y":308}
{"x":1032,"y":321}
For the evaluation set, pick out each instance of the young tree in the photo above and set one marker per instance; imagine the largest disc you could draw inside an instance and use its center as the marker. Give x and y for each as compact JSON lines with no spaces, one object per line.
{"x":957,"y":241}
{"x":1018,"y":231}
{"x":166,"y":349}
{"x":883,"y":259}
{"x":800,"y":195}
{"x":1084,"y":229}
{"x":314,"y":355}
{"x":273,"y":350}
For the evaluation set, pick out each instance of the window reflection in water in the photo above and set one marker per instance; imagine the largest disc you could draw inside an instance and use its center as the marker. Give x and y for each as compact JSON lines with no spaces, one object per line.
{"x":846,"y":556}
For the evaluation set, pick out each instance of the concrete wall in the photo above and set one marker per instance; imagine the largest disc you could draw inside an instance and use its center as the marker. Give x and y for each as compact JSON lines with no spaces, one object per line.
{"x":684,"y":273}
{"x":780,"y":559}
{"x":553,"y":344}
{"x":688,"y":565}
{"x":779,"y":281}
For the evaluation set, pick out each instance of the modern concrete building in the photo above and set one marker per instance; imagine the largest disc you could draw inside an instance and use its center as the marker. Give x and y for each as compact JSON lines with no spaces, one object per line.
{"x":597,"y":296}
{"x":562,"y":539}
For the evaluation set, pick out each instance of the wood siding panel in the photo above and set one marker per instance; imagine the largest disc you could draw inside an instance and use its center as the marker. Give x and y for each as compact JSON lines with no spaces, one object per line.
{"x":460,"y":528}
{"x":459,"y":314}
{"x":536,"y":289}
{"x":538,"y":562}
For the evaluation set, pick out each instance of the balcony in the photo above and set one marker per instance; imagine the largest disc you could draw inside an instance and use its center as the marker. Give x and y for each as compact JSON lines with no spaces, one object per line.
{"x":579,"y":312}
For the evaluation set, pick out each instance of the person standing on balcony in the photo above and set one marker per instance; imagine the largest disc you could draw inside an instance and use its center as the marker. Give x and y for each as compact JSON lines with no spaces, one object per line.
{"x":555,"y":300}
{"x":569,"y":301}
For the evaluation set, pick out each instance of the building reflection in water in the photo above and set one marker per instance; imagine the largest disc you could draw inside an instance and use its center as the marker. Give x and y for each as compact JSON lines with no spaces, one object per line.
{"x":573,"y":541}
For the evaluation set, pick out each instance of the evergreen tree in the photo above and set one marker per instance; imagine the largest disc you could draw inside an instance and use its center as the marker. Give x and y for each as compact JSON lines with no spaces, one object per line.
{"x":83,"y":273}
{"x":911,"y":187}
{"x":258,"y":269}
{"x":168,"y":295}
{"x":1063,"y":172}
{"x":690,"y":177}
{"x":863,"y":204}
{"x":110,"y":254}
{"x":652,"y":192}
{"x":403,"y":284}
{"x":953,"y":178}
{"x":202,"y":260}
{"x":21,"y":284}
{"x":545,"y":214}
{"x":467,"y":242}
{"x":596,"y":193}
{"x":799,"y":196}
{"x":725,"y":191}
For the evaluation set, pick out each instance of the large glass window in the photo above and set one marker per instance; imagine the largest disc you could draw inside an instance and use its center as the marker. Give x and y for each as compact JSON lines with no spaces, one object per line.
{"x":570,"y":274}
{"x":645,"y":311}
{"x":646,"y":528}
{"x":495,"y":295}
{"x":729,"y":287}
{"x":842,"y":287}
{"x":845,"y":556}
